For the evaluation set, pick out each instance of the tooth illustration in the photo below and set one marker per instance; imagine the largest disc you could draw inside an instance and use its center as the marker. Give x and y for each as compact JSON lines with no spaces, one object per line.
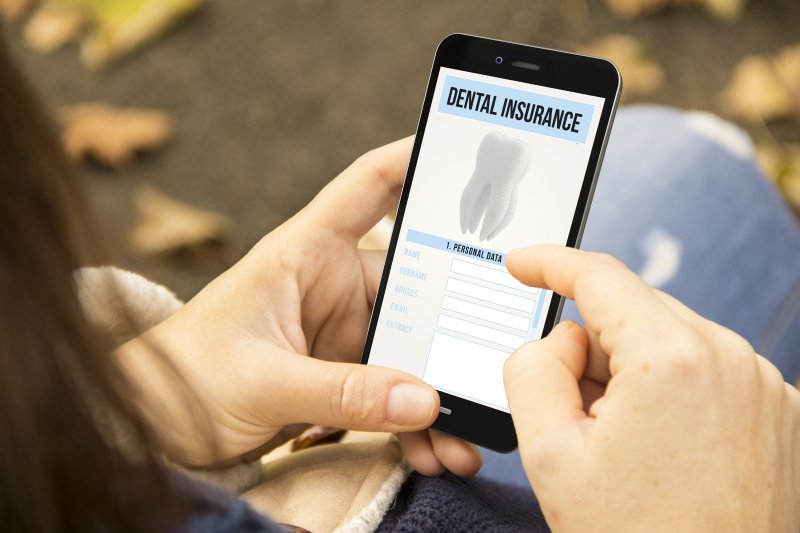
{"x":500,"y":164}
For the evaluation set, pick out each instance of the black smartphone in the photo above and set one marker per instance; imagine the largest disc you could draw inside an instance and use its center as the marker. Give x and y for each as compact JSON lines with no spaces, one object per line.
{"x":507,"y":153}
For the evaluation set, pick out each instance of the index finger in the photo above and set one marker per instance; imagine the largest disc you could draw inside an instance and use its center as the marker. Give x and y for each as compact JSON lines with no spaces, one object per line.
{"x":615,"y":303}
{"x":364,"y":192}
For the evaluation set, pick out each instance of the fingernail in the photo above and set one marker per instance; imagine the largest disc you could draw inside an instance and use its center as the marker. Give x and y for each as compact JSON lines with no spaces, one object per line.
{"x":409,"y":404}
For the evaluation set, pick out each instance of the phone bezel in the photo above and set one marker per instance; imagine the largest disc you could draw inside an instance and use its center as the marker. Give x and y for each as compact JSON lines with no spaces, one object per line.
{"x":468,"y":420}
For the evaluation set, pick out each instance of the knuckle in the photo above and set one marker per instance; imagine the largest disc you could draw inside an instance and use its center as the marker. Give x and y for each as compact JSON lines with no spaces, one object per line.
{"x":596,"y":268}
{"x":517,"y":366}
{"x":689,"y":353}
{"x":513,"y":364}
{"x":793,"y":399}
{"x":771,"y":377}
{"x":539,"y":456}
{"x":351,"y":402}
{"x":733,"y":345}
{"x":602,"y":260}
{"x":373,"y":164}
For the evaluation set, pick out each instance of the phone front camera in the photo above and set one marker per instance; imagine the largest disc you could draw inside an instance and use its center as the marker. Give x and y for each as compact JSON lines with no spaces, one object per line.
{"x":498,"y":59}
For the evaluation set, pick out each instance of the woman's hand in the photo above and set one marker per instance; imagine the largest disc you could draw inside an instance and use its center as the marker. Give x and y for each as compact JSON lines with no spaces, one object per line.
{"x":651,"y":418}
{"x":243,"y":343}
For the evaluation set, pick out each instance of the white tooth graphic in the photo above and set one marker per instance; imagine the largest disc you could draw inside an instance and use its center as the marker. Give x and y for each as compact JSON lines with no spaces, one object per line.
{"x":500,"y":164}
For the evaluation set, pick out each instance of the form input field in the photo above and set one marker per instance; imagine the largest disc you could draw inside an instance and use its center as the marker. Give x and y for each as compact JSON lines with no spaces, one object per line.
{"x":486,"y":313}
{"x":480,"y":332}
{"x":467,"y":368}
{"x":490,"y":295}
{"x":492,"y":275}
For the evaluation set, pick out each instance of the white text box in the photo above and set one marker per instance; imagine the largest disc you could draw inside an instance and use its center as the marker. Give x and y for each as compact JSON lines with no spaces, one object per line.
{"x":492,"y":275}
{"x":486,"y":313}
{"x":467,"y":369}
{"x":480,"y":332}
{"x":490,"y":295}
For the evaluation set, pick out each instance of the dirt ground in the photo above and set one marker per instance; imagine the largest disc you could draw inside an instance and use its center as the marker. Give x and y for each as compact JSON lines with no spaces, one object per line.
{"x":273,"y":99}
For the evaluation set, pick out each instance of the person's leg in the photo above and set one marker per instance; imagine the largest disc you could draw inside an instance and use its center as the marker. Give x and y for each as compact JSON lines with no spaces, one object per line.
{"x":681,"y":201}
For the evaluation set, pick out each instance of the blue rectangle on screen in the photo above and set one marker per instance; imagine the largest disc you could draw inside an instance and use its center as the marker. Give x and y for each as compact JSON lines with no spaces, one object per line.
{"x":575,"y":117}
{"x":455,"y":247}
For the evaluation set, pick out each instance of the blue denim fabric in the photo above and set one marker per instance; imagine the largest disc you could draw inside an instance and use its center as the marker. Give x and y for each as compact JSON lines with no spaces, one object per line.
{"x":681,"y":200}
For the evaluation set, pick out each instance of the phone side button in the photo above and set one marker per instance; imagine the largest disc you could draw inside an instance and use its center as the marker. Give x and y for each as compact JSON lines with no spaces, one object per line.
{"x":445,"y":410}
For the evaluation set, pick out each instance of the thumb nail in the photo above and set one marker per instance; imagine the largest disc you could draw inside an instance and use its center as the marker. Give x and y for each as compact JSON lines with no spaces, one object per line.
{"x":409,"y":405}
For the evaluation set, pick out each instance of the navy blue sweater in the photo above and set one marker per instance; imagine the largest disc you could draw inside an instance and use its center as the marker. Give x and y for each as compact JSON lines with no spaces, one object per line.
{"x":446,"y":503}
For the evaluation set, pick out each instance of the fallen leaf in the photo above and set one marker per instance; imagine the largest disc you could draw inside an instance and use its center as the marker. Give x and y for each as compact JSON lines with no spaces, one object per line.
{"x":765,"y":87}
{"x":756,"y":92}
{"x":123,"y":25}
{"x":640,"y":74}
{"x":725,"y":9}
{"x":291,"y":528}
{"x":787,"y":66}
{"x":781,"y":162}
{"x":771,"y":158}
{"x":792,"y":192}
{"x":12,"y":9}
{"x":112,"y":136}
{"x":316,"y":435}
{"x":166,"y":225}
{"x":790,"y":180}
{"x":53,"y":25}
{"x":628,"y":9}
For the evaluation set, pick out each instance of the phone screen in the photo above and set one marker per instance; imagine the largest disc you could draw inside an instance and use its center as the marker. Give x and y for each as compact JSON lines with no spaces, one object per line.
{"x":500,"y":166}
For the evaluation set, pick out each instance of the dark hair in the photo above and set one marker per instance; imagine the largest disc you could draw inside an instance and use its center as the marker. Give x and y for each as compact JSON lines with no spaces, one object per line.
{"x":58,"y":470}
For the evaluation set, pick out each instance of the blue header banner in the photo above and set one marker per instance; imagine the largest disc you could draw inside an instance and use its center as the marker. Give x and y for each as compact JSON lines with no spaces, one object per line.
{"x":455,"y":247}
{"x":514,"y":108}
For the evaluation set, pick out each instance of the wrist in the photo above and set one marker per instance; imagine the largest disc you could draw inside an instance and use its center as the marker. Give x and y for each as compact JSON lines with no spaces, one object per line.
{"x":164,"y":400}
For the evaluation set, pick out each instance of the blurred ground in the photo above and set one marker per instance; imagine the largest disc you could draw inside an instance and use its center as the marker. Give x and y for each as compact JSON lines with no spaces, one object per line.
{"x":272,"y":100}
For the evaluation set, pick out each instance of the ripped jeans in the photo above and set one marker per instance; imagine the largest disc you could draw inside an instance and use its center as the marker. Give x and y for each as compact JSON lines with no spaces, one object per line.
{"x":682,"y":202}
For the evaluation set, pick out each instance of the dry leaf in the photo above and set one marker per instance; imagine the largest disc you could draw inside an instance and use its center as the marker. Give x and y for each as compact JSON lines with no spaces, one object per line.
{"x":782,"y":165}
{"x":787,"y":66}
{"x":790,"y":179}
{"x":291,"y":528}
{"x":640,"y":74}
{"x":724,"y":9}
{"x":53,"y":25}
{"x":123,"y":25}
{"x":166,"y":225}
{"x":316,"y":435}
{"x":756,"y":92}
{"x":628,"y":9}
{"x":117,"y":26}
{"x":11,"y":9}
{"x":771,"y":159}
{"x":633,"y":8}
{"x":791,"y":189}
{"x":110,"y":135}
{"x":765,"y":88}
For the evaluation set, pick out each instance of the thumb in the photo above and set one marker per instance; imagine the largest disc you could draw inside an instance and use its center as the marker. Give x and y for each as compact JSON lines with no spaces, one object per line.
{"x":541,"y":381}
{"x":352,"y":396}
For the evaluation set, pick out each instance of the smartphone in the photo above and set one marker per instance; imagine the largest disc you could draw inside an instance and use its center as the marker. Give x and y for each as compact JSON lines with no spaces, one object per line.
{"x":507,"y":152}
